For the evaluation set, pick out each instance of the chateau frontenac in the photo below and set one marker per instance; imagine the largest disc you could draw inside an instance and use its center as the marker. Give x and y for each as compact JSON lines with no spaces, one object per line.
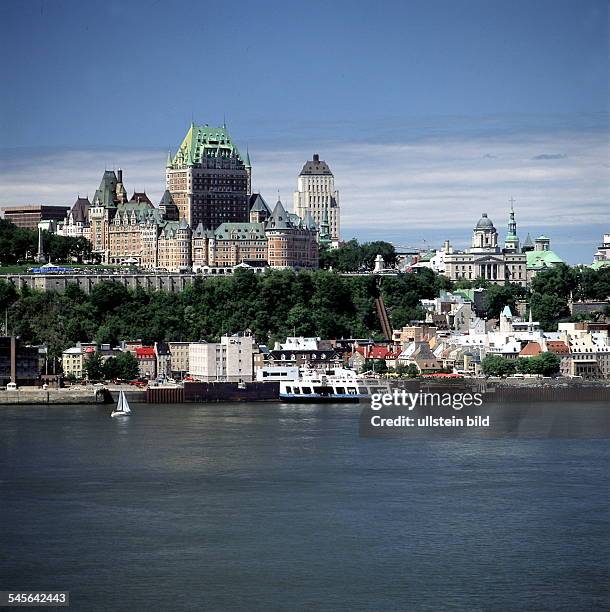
{"x":207,"y":216}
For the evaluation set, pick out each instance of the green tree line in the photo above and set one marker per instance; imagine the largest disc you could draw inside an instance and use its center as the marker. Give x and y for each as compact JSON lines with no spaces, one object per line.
{"x":19,"y":245}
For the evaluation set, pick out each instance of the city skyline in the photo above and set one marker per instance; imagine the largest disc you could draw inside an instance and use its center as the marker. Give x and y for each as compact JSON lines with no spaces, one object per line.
{"x":445,"y":109}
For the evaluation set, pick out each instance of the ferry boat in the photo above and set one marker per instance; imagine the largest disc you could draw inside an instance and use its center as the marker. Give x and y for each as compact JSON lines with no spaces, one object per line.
{"x":335,"y":385}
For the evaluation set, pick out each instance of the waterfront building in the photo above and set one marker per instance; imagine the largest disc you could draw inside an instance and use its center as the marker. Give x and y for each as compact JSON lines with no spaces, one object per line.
{"x":230,"y":360}
{"x":209,"y":179}
{"x":29,"y":216}
{"x":73,"y":359}
{"x":485,"y":259}
{"x":18,"y":363}
{"x":421,"y":356}
{"x":147,"y":362}
{"x":316,"y":195}
{"x":164,"y":359}
{"x":589,"y":346}
{"x":297,"y":351}
{"x":179,"y":352}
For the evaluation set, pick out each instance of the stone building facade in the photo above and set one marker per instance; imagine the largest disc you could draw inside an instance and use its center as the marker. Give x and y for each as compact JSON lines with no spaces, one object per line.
{"x":316,"y":195}
{"x":134,"y":231}
{"x":485,"y":259}
{"x":208,"y":179}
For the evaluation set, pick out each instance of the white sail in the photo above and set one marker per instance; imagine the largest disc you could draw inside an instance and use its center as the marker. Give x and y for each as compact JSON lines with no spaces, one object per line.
{"x":122,"y":407}
{"x":125,"y":406}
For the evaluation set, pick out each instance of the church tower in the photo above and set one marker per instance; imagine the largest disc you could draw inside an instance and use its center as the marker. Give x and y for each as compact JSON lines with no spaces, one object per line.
{"x":512,"y":240}
{"x":485,"y":236}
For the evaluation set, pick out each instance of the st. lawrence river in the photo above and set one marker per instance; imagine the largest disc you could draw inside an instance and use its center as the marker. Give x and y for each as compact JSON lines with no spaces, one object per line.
{"x":286,"y":507}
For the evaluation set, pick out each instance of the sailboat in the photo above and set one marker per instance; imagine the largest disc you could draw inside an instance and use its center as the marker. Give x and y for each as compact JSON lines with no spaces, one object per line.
{"x":122,"y":408}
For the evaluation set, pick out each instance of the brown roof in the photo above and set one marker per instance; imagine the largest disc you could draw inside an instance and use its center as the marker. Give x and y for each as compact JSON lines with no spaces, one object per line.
{"x":557,"y":346}
{"x":531,"y":349}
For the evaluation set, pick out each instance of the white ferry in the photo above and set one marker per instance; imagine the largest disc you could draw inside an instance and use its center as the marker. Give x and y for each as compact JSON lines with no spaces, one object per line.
{"x":334,"y":385}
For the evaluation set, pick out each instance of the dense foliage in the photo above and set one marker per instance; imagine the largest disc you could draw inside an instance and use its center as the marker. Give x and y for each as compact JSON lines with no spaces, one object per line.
{"x":546,"y":364}
{"x":21,"y":245}
{"x":551,"y":290}
{"x":272,"y":305}
{"x":401,"y":294}
{"x":352,"y":256}
{"x":123,"y":366}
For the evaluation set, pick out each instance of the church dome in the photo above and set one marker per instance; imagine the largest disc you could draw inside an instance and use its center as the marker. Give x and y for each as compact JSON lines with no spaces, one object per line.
{"x":484,"y":222}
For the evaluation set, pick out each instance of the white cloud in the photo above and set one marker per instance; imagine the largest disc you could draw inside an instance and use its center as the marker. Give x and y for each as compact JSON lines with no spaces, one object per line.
{"x":426,"y":184}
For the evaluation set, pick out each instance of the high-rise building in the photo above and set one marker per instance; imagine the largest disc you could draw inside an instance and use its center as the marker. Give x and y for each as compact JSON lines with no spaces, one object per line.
{"x":208,"y":178}
{"x":317,"y":195}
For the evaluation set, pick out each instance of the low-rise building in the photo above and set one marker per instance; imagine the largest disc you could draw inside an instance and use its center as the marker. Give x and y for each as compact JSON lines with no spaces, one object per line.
{"x":147,"y":362}
{"x":164,"y":359}
{"x":179,"y":358}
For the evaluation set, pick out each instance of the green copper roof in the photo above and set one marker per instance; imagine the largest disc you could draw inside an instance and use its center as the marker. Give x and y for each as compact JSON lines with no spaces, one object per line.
{"x":204,"y":141}
{"x":542,"y":259}
{"x":240,"y":231}
{"x":465,"y":293}
{"x":596,"y":265}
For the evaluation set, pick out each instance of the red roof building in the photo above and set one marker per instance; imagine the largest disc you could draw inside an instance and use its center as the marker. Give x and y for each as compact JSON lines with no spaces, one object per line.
{"x":531,"y":349}
{"x":558,"y":347}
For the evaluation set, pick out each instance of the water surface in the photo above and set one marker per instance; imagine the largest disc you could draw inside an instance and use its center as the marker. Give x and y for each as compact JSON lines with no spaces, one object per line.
{"x":267,"y":507}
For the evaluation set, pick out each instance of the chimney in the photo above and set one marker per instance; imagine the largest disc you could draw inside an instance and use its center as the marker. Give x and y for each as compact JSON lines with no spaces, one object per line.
{"x":316,"y":157}
{"x":119,"y":174}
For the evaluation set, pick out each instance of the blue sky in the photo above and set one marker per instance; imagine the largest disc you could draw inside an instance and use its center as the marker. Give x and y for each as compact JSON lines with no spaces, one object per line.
{"x":429,"y":112}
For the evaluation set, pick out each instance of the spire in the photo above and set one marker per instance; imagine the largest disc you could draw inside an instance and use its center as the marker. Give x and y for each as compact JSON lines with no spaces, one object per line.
{"x":324,"y":229}
{"x":41,"y":256}
{"x":248,"y":164}
{"x":168,"y":164}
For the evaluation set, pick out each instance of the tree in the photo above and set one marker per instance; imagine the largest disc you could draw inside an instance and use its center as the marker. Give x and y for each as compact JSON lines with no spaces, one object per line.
{"x":94,"y":367}
{"x":353,"y":257}
{"x":496,"y":365}
{"x":499,"y":296}
{"x":127,"y":366}
{"x":547,"y":364}
{"x":375,"y":365}
{"x":548,"y":309}
{"x":411,"y":371}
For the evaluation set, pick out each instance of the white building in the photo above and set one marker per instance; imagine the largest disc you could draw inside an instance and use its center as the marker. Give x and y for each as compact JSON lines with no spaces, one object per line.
{"x":485,"y":259}
{"x":230,"y":360}
{"x":316,"y":193}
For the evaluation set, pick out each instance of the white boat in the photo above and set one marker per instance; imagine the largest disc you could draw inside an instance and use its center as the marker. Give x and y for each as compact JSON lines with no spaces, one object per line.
{"x":122,"y":408}
{"x":335,"y":385}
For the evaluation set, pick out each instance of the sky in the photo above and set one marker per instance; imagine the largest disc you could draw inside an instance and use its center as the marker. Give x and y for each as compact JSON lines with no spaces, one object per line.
{"x":428,"y":112}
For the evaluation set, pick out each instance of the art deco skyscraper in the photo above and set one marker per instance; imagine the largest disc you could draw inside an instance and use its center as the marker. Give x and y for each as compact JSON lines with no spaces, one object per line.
{"x":317,"y":195}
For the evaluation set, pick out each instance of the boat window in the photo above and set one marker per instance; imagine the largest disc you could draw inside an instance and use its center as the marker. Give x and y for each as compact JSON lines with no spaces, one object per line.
{"x":340,"y":390}
{"x":352,"y":391}
{"x":288,"y":389}
{"x":307,"y":390}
